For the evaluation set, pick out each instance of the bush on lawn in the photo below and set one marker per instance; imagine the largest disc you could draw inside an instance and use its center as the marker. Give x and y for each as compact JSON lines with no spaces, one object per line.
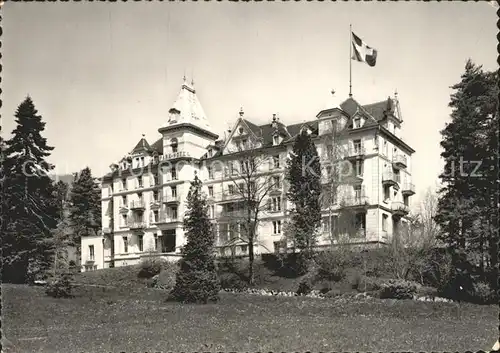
{"x":483,"y":294}
{"x":398,"y":289}
{"x":150,"y":266}
{"x":166,"y":278}
{"x":331,"y":266}
{"x":232,"y":281}
{"x":368,"y":284}
{"x":60,"y":286}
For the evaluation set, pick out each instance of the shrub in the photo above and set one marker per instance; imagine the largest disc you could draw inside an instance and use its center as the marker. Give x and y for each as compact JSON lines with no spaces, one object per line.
{"x":427,"y":292}
{"x":305,"y":287}
{"x":354,"y":280}
{"x":150,"y":267}
{"x":330,"y":266}
{"x":166,"y":278}
{"x":368,"y":284}
{"x":398,"y":289}
{"x":483,"y":294}
{"x":232,"y":281}
{"x":60,"y":286}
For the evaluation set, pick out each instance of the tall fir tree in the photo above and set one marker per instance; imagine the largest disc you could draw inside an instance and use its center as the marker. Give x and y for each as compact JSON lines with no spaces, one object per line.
{"x":196,"y":280}
{"x":467,"y":208}
{"x":29,"y":209}
{"x":303,"y":175}
{"x":85,"y":207}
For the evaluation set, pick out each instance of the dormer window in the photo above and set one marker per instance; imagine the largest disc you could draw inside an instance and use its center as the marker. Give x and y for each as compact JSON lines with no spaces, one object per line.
{"x":174,"y":144}
{"x":210,"y":152}
{"x":241,"y":130}
{"x":276,"y":140}
{"x":357,"y":122}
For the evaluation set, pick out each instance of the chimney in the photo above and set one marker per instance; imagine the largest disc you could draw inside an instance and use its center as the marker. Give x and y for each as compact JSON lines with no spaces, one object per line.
{"x":274,"y":124}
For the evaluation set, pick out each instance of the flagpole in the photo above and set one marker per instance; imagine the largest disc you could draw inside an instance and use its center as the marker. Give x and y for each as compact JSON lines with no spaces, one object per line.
{"x":350,"y":60}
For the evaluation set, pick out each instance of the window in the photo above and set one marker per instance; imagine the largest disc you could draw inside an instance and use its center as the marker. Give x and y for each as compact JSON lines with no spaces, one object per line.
{"x":241,"y":188}
{"x":210,"y":172}
{"x":91,"y":253}
{"x":124,"y":184}
{"x":169,"y":241}
{"x":156,"y":181}
{"x":406,"y":200}
{"x":253,"y":187}
{"x":212,"y":211}
{"x":329,"y":151}
{"x":357,"y":122}
{"x":230,"y":189}
{"x":276,"y":182}
{"x":124,"y":201}
{"x":155,"y":237}
{"x":277,"y":227}
{"x":155,"y":216}
{"x":357,"y":191}
{"x":233,"y":231}
{"x":155,"y":196}
{"x":211,"y":191}
{"x":276,"y":161}
{"x":395,"y":193}
{"x":210,"y":152}
{"x":276,"y":204}
{"x":232,"y":170}
{"x":387,"y":194}
{"x":244,"y":249}
{"x":384,"y":222}
{"x":240,"y":130}
{"x":174,"y":145}
{"x":142,"y":161}
{"x":358,"y":147}
{"x":244,"y":143}
{"x":326,"y":225}
{"x":125,"y":244}
{"x":276,"y":140}
{"x":359,"y":168}
{"x":174,"y":212}
{"x":173,"y":190}
{"x":360,"y":221}
{"x":140,"y":243}
{"x":124,"y":220}
{"x":174,"y":173}
{"x":386,"y":148}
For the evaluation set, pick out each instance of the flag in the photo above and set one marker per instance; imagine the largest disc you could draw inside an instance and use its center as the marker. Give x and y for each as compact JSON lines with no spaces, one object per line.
{"x":363,"y":52}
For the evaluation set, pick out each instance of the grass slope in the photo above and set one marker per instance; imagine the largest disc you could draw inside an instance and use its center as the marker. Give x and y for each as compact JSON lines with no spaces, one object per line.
{"x":130,"y":319}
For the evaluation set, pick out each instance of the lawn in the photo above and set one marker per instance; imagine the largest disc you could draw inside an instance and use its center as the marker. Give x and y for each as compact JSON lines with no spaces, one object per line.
{"x":133,"y":318}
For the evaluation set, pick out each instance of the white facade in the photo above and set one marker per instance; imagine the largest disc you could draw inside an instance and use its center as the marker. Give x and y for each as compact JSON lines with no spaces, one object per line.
{"x":144,"y":198}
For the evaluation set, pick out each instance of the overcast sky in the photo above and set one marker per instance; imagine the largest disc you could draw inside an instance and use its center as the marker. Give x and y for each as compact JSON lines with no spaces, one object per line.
{"x":102,"y":74}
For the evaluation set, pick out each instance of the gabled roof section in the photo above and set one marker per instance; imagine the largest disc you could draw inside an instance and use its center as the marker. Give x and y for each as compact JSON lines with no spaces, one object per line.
{"x":380,"y":110}
{"x":187,"y":109}
{"x":158,"y":146}
{"x":142,"y":147}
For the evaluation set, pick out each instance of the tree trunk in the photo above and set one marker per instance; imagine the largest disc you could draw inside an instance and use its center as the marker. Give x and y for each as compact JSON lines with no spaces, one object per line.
{"x":250,"y":260}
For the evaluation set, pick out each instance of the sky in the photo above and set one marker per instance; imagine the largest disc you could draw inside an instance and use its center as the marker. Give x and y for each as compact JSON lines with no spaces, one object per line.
{"x":103,"y":74}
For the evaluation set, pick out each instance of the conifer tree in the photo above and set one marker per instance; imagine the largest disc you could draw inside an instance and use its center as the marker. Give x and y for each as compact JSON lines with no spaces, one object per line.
{"x":467,"y":208}
{"x":304,"y":179}
{"x":196,"y":280}
{"x":29,"y":213}
{"x":85,"y":209}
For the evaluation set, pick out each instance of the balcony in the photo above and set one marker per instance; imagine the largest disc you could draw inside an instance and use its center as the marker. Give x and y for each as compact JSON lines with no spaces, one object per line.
{"x":167,"y":219}
{"x":156,"y":203}
{"x":171,"y":200}
{"x":355,"y":201}
{"x":228,"y":196}
{"x":399,"y":161}
{"x":408,"y":189}
{"x":390,"y":179}
{"x":137,"y":205}
{"x":136,"y":225}
{"x":399,"y":209}
{"x":107,"y":230}
{"x":356,"y":152}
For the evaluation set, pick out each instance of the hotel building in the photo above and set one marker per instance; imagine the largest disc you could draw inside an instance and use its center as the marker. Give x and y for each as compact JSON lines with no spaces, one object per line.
{"x":144,"y":195}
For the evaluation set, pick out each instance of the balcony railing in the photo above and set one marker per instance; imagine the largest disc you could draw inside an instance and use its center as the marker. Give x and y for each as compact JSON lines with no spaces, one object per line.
{"x":408,"y":189}
{"x":171,"y":199}
{"x":357,"y":200}
{"x":399,"y":208}
{"x":399,"y":161}
{"x":174,"y":155}
{"x":390,"y":178}
{"x":168,"y":219}
{"x":136,"y":224}
{"x":137,"y":205}
{"x":356,"y":151}
{"x":228,"y":196}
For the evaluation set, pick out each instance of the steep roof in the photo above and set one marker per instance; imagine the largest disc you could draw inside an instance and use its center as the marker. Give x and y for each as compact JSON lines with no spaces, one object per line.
{"x":158,"y":146}
{"x":187,"y":109}
{"x":142,"y":146}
